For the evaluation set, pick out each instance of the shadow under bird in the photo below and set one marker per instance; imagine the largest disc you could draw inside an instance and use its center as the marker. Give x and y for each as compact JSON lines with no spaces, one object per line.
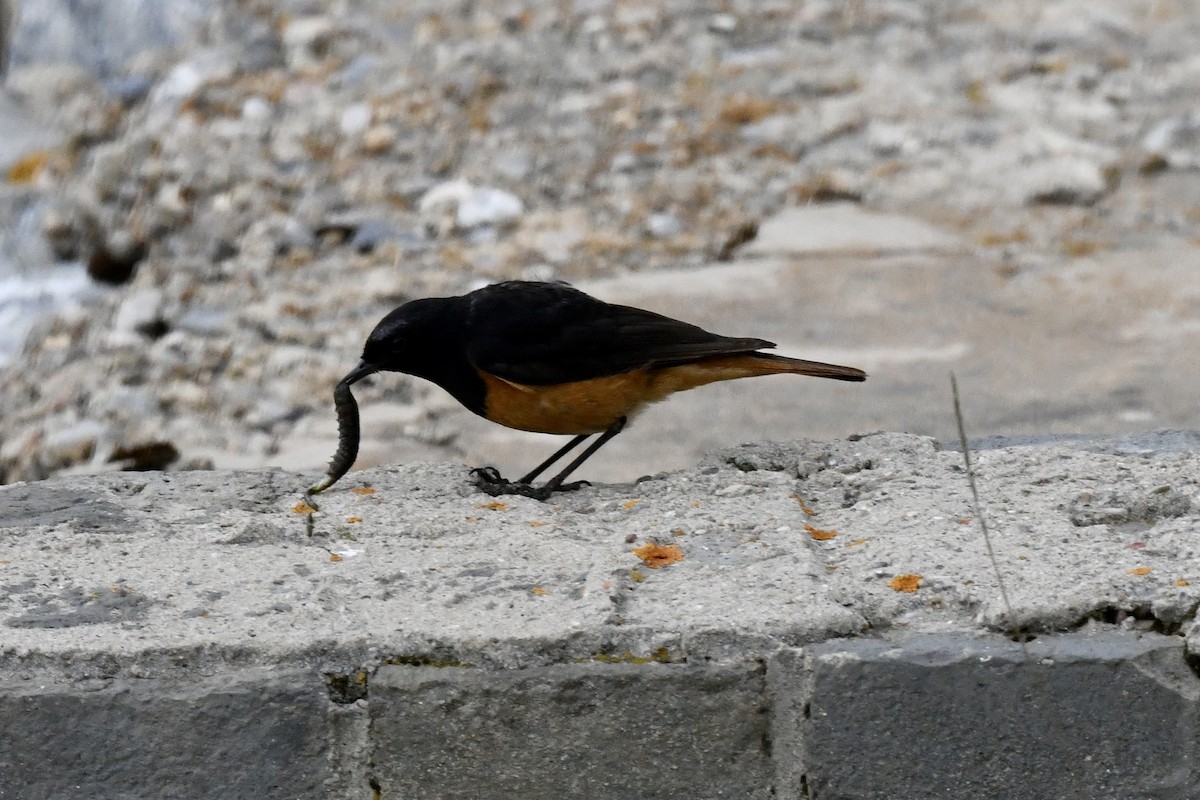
{"x":548,"y":358}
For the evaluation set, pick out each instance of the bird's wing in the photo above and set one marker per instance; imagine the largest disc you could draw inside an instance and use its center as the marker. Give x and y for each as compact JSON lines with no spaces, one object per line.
{"x":543,"y":334}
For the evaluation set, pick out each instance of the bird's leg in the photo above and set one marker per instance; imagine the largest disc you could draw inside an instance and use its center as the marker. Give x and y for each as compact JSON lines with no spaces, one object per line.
{"x":562,"y":451}
{"x":489,"y":480}
{"x":556,"y":484}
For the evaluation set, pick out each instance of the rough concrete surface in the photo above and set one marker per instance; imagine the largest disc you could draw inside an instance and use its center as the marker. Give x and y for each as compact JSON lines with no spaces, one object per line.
{"x":819,"y":619}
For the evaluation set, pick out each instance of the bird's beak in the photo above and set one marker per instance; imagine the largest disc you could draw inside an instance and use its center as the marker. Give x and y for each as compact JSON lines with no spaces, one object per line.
{"x":358,"y":373}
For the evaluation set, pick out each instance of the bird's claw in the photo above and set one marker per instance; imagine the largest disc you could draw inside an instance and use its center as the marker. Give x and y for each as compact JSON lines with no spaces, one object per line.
{"x":489,"y":481}
{"x":488,"y":476}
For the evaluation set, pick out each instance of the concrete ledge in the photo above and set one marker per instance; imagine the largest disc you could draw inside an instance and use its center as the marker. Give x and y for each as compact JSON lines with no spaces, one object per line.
{"x":251,"y":734}
{"x":1111,"y":715}
{"x":576,"y":730}
{"x":813,"y":620}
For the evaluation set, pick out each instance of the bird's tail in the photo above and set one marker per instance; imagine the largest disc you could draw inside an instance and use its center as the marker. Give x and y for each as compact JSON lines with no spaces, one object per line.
{"x":740,"y":365}
{"x":770,"y":363}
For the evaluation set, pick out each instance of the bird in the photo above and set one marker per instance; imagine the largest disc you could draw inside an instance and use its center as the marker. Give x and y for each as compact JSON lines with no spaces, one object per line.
{"x":546,"y":357}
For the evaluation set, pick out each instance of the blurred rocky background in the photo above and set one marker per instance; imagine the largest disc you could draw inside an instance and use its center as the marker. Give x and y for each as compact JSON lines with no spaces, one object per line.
{"x":206,"y":205}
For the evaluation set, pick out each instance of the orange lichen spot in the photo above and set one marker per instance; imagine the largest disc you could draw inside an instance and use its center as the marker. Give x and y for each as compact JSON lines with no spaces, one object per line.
{"x":1182,"y":582}
{"x":539,"y":591}
{"x":1140,"y":571}
{"x":820,"y":535}
{"x":538,"y":523}
{"x":803,"y":506}
{"x":679,"y":532}
{"x":855,"y":542}
{"x":352,"y":520}
{"x":302,"y":508}
{"x":27,"y":168}
{"x":964,"y":520}
{"x":628,"y":504}
{"x":363,"y":490}
{"x":495,"y":505}
{"x":905,"y":583}
{"x":655,"y":555}
{"x":334,"y":557}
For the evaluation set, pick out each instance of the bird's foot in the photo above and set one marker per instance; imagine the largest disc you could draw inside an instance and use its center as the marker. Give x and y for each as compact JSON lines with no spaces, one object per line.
{"x":489,"y":481}
{"x":489,"y":476}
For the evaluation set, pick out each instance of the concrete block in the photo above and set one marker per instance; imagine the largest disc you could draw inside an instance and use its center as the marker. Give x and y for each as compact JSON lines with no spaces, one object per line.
{"x":940,"y":716}
{"x":253,"y":735}
{"x":579,"y":730}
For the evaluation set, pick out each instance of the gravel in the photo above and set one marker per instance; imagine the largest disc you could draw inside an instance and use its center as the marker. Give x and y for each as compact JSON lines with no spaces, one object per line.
{"x":268,"y":185}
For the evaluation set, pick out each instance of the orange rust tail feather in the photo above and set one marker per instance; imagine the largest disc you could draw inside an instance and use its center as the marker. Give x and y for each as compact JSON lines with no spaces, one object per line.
{"x":666,"y":381}
{"x":745,"y":365}
{"x":773,"y":364}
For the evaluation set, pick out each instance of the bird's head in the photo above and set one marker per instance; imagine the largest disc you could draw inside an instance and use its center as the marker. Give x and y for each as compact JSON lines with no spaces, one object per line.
{"x":409,"y":338}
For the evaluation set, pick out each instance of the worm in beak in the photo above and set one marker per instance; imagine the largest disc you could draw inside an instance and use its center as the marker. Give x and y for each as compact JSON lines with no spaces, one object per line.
{"x":348,"y":430}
